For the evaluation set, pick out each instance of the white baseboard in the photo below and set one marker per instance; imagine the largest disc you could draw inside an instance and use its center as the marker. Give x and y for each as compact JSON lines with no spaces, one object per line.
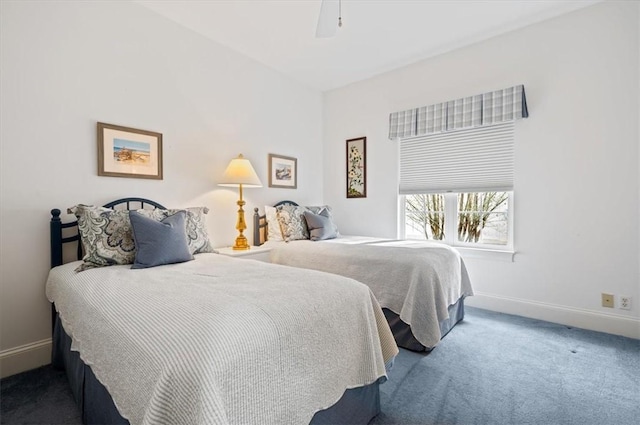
{"x":25,"y":357}
{"x":585,"y":319}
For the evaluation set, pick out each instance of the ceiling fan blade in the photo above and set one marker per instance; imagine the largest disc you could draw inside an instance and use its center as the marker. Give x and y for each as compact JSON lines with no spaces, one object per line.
{"x":328,"y":19}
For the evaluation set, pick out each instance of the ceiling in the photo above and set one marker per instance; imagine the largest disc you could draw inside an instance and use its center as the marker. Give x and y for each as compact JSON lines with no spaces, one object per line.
{"x":376,"y":36}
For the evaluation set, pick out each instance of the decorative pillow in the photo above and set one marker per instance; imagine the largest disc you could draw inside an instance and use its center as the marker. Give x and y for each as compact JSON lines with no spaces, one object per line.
{"x":105,"y":235}
{"x":159,"y":242}
{"x":317,"y":209}
{"x":320,"y":225}
{"x":328,"y":213}
{"x":292,"y":222}
{"x":273,"y":226}
{"x":196,"y":229}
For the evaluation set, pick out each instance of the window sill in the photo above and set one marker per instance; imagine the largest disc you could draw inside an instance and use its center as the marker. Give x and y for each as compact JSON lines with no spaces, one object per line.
{"x":486,"y":254}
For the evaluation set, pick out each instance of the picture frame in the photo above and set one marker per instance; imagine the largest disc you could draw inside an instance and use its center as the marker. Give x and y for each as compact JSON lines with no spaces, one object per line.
{"x":283,"y":171}
{"x":357,"y":167}
{"x":129,"y":152}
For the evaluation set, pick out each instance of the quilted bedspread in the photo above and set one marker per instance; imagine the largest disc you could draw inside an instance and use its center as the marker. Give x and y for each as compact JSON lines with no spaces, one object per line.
{"x":418,"y":280}
{"x":220,"y":340}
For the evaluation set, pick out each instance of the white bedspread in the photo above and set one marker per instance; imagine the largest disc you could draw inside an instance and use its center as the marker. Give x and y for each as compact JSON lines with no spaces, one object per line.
{"x":418,"y":280}
{"x":220,"y":340}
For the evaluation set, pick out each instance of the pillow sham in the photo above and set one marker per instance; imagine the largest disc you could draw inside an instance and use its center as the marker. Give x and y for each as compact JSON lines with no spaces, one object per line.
{"x":274,"y":233}
{"x":159,"y":242}
{"x":292,"y":222}
{"x":320,"y":225}
{"x":105,"y":235}
{"x":318,"y":208}
{"x":195,"y":226}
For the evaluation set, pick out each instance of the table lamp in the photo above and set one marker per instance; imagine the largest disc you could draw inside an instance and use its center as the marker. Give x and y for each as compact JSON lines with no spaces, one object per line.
{"x":240,"y":173}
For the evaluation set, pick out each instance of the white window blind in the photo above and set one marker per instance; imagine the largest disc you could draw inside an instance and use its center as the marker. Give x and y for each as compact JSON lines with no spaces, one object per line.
{"x":473,"y":160}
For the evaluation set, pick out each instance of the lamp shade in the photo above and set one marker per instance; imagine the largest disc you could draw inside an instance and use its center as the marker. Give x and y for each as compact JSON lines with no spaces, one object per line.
{"x":240,"y":172}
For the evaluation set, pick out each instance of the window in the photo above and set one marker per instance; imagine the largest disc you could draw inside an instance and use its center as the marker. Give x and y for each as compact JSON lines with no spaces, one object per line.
{"x":457,"y":187}
{"x":457,"y":170}
{"x":472,"y":219}
{"x":424,"y":216}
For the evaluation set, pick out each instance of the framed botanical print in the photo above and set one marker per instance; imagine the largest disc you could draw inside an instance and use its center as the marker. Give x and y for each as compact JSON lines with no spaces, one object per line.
{"x":357,"y":168}
{"x":129,"y":152}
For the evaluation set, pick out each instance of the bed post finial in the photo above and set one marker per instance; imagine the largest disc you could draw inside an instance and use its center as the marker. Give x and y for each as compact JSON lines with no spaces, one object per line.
{"x":56,"y":238}
{"x":256,"y":227}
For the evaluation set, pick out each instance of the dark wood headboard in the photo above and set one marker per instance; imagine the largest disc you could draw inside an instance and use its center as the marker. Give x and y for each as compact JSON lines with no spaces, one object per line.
{"x":260,"y":224}
{"x":57,"y":226}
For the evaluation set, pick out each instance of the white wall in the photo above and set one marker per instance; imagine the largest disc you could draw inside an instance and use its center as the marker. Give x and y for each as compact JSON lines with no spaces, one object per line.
{"x":67,"y":65}
{"x":577,"y":182}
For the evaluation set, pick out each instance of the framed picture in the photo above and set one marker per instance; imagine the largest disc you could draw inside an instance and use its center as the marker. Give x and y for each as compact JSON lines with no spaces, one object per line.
{"x":129,"y":152}
{"x":283,"y":171}
{"x":357,"y":168}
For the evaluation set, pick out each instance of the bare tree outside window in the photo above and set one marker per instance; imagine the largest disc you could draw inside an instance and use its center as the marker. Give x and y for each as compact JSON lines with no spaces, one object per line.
{"x":481,"y":217}
{"x":426,"y":213}
{"x":475,"y":210}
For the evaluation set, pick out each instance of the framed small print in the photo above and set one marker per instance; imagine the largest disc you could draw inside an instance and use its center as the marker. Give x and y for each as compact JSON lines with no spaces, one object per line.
{"x":129,"y":152}
{"x":357,"y":168}
{"x":283,"y":171}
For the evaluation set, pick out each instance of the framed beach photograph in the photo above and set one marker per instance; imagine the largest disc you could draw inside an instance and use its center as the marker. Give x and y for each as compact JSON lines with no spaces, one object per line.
{"x":283,"y":171}
{"x":129,"y":152}
{"x":357,"y":168}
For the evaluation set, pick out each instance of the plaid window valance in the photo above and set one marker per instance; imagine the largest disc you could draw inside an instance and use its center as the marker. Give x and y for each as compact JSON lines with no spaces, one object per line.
{"x":474,"y":111}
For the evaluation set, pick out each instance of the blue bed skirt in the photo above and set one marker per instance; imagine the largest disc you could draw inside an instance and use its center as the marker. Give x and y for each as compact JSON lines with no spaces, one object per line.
{"x":402,"y":332}
{"x":357,"y":405}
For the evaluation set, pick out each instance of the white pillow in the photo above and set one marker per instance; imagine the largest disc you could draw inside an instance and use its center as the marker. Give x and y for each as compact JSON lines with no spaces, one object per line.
{"x":274,"y":233}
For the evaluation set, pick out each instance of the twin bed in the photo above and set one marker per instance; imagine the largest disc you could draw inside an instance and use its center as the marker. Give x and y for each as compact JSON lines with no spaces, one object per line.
{"x":215,"y":340}
{"x":421,"y":285}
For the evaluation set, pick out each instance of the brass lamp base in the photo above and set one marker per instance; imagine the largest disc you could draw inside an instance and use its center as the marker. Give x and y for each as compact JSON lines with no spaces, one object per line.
{"x":241,"y":243}
{"x":241,"y":240}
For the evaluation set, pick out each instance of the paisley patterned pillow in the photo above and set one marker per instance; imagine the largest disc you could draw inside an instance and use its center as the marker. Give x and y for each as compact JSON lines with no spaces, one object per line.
{"x":105,"y":235}
{"x":292,"y":222}
{"x":197,"y":236}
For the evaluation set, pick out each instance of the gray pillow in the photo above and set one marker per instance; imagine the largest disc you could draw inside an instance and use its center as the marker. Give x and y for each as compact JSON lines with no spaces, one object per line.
{"x":159,"y":242}
{"x":320,"y":225}
{"x":196,"y":229}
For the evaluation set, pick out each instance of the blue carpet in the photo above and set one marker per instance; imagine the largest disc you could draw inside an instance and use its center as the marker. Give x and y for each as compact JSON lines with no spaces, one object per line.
{"x":492,"y":368}
{"x":39,"y":396}
{"x":501,"y":369}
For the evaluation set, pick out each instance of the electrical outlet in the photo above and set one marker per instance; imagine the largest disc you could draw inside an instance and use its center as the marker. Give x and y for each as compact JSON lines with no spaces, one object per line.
{"x":625,"y":303}
{"x":607,"y":300}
